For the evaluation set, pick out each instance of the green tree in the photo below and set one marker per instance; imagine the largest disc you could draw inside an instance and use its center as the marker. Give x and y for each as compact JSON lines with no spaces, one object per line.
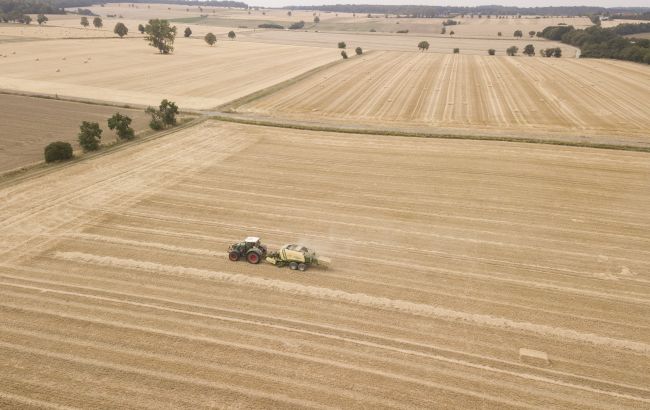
{"x":141,"y":28}
{"x":499,"y":34}
{"x":163,"y":116}
{"x":444,"y":30}
{"x":89,"y":136}
{"x":518,"y":33}
{"x":26,"y":19}
{"x":316,"y":19}
{"x":84,"y":21}
{"x":451,"y":33}
{"x":57,"y":151}
{"x":531,"y":33}
{"x":121,"y":30}
{"x":557,"y":52}
{"x":97,"y":22}
{"x":160,"y":35}
{"x":122,"y":126}
{"x":529,"y":50}
{"x":210,"y":39}
{"x":358,"y":50}
{"x":512,"y":51}
{"x":456,"y":50}
{"x":492,"y":51}
{"x":231,"y":35}
{"x":41,"y":18}
{"x":344,"y":55}
{"x":423,"y":45}
{"x":187,"y":32}
{"x":342,"y":44}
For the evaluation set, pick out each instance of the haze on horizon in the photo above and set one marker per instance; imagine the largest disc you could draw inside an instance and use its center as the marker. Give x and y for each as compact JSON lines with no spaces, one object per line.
{"x":460,"y":3}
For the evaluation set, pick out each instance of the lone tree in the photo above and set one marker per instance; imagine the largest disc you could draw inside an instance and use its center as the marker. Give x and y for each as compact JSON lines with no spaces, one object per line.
{"x":423,"y":45}
{"x":512,"y":51}
{"x":141,"y":28}
{"x":518,"y":33}
{"x":122,"y":126}
{"x":451,"y":33}
{"x":160,"y":35}
{"x":121,"y":30}
{"x":188,"y":32}
{"x":344,"y":55}
{"x":231,"y":35}
{"x":500,"y":34}
{"x":529,"y":50}
{"x":57,"y":151}
{"x":164,"y":116}
{"x":41,"y":18}
{"x":26,"y":19}
{"x":89,"y":136}
{"x":84,"y":21}
{"x":210,"y":39}
{"x":97,"y":22}
{"x":457,"y":51}
{"x":531,"y":33}
{"x":316,"y":19}
{"x":342,"y":44}
{"x":358,"y":50}
{"x":444,"y":30}
{"x":492,"y":51}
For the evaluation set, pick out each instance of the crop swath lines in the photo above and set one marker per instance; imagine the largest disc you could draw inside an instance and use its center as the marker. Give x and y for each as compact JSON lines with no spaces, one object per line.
{"x":479,"y":94}
{"x":448,"y":258}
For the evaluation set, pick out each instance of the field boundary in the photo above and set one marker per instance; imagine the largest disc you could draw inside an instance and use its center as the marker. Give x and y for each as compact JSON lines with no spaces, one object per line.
{"x":226,"y":117}
{"x":35,"y":170}
{"x":231,"y":106}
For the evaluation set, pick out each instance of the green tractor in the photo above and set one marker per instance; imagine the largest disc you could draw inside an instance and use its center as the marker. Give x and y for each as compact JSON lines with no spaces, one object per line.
{"x":250,"y":248}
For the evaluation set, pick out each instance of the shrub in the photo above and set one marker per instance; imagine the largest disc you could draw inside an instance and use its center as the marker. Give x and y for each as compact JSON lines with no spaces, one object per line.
{"x":121,"y":30}
{"x":141,"y":28}
{"x":492,"y":51}
{"x":187,"y":32}
{"x":423,"y":45}
{"x":529,"y":50}
{"x":358,"y":50}
{"x":512,"y":51}
{"x":210,"y":39}
{"x":344,"y":54}
{"x":58,"y":151}
{"x":298,"y":25}
{"x":270,"y":25}
{"x":231,"y":35}
{"x":456,"y":50}
{"x":89,"y":135}
{"x":342,"y":44}
{"x":316,"y":19}
{"x":402,"y":31}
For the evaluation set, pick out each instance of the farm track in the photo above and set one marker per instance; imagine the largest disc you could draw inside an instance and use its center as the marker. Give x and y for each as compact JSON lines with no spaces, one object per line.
{"x":564,"y":99}
{"x":448,"y":256}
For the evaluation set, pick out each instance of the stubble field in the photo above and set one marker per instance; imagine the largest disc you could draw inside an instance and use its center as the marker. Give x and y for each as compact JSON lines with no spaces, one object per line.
{"x":448,"y":257}
{"x":196,"y":76}
{"x":29,"y":124}
{"x":601,"y":101}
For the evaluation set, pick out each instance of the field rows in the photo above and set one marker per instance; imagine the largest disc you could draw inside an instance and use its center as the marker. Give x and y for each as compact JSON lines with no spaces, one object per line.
{"x":471,"y":94}
{"x":448,"y":256}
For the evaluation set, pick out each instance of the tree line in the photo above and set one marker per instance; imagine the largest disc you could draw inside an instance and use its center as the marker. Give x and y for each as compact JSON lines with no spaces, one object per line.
{"x":598,"y":42}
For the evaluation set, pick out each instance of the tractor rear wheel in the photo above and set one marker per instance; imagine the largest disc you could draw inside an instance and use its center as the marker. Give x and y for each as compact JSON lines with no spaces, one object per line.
{"x":233,"y":256}
{"x":302,"y":267}
{"x":293,"y":265}
{"x":253,"y":257}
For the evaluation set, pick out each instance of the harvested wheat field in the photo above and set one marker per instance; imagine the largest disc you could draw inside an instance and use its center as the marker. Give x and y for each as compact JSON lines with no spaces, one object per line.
{"x":196,"y":76}
{"x":595,"y":100}
{"x":465,"y":274}
{"x":399,"y":42}
{"x":29,"y":124}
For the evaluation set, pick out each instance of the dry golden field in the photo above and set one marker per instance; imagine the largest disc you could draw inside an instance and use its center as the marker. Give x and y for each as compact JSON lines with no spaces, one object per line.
{"x":29,"y":124}
{"x":448,"y":258}
{"x":594,"y":99}
{"x":196,"y":76}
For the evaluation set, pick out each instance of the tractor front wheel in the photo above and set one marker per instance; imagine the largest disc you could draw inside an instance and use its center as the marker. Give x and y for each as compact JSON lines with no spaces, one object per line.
{"x":233,"y":256}
{"x":293,"y":265}
{"x":253,"y":257}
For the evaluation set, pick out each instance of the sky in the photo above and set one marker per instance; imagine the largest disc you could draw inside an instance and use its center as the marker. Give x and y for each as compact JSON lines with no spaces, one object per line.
{"x":520,"y":3}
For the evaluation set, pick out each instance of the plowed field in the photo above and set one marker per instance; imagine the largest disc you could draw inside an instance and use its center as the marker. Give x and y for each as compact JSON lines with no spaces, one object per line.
{"x":599,"y":100}
{"x":448,"y":257}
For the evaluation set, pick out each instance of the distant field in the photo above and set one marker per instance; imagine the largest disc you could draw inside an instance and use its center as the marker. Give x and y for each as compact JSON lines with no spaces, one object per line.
{"x":474,"y":94}
{"x":29,"y":124}
{"x":639,"y":35}
{"x":130,"y":71}
{"x":401,"y":42}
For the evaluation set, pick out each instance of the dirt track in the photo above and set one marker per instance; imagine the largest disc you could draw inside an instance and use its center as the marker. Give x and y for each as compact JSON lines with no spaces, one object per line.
{"x":448,"y":257}
{"x":560,"y":98}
